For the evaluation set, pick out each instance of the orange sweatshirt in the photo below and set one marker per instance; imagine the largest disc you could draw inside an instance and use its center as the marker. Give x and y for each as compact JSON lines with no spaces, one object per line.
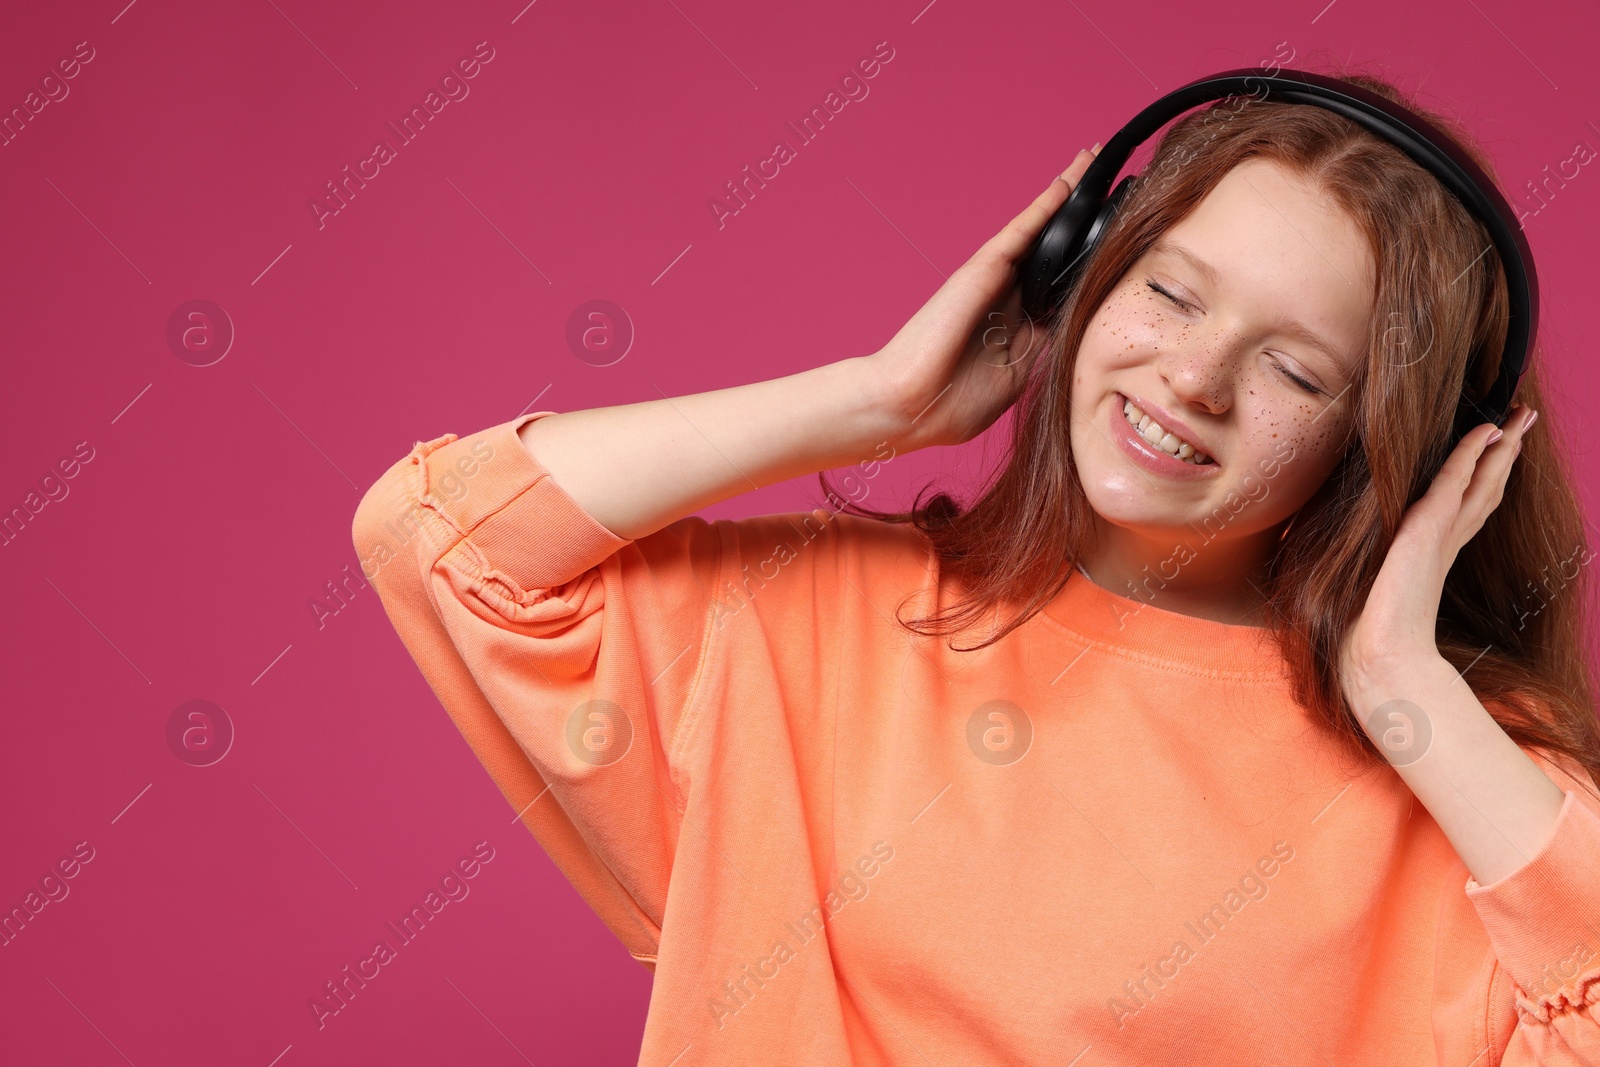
{"x":1112,"y":835}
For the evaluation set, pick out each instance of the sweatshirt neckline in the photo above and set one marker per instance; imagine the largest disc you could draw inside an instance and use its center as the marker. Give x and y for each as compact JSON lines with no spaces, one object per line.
{"x":1141,"y":630}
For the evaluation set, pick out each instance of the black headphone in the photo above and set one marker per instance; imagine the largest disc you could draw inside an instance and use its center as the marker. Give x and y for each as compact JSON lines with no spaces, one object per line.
{"x":1055,"y":260}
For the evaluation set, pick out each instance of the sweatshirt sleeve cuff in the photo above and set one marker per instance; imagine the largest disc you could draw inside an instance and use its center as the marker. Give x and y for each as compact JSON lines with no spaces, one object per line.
{"x":1542,"y":917}
{"x":524,"y":529}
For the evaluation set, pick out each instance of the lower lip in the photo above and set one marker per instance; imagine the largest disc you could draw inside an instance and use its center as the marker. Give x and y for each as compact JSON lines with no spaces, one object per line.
{"x":1147,"y":455}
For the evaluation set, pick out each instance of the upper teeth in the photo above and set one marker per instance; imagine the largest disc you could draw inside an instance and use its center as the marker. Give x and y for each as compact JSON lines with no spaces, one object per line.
{"x":1167,"y":441}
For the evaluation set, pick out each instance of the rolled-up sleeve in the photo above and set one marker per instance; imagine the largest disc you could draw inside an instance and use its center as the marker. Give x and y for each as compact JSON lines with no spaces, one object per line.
{"x":567,"y":656}
{"x":1543,"y":922}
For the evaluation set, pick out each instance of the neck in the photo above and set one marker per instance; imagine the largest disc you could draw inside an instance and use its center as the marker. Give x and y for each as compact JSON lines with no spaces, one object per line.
{"x":1222,"y":582}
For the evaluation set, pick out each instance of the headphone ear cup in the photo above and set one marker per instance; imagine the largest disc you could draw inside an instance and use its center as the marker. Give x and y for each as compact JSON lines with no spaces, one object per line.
{"x":1097,"y":229}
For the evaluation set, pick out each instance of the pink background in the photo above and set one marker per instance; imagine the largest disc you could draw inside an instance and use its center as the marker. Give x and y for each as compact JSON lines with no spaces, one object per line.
{"x":182,"y":563}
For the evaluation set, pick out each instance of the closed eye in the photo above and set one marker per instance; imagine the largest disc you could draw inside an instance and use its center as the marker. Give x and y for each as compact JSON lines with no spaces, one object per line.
{"x":1301,"y":382}
{"x":1185,"y":305}
{"x":1181,"y":303}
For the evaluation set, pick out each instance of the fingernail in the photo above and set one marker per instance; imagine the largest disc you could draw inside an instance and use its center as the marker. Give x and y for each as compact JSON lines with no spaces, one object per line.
{"x":1498,"y":433}
{"x":1096,"y":147}
{"x":1528,"y":420}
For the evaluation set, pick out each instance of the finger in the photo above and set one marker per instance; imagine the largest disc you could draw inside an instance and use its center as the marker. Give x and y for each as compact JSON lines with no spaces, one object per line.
{"x":1449,"y":488}
{"x":1019,"y":233}
{"x":1079,"y":164}
{"x":1491,"y":470}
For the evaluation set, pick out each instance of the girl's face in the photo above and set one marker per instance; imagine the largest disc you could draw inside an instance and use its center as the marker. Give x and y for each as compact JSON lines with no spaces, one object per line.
{"x":1240,"y":333}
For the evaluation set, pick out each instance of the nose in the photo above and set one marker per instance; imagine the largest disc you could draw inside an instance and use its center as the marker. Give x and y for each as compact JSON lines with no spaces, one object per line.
{"x":1200,"y":373}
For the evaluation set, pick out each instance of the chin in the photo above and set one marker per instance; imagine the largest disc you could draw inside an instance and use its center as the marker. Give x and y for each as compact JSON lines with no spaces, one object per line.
{"x":1136,"y":508}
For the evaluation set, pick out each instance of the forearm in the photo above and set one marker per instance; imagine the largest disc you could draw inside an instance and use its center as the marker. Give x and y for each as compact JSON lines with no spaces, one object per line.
{"x":1493,"y":802}
{"x":639,"y":467}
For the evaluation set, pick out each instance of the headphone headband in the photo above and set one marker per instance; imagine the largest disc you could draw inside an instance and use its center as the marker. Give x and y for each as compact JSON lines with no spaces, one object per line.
{"x":1056,"y":258}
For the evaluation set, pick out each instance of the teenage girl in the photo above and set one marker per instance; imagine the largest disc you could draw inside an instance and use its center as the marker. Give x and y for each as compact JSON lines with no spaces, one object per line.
{"x":1269,"y":735}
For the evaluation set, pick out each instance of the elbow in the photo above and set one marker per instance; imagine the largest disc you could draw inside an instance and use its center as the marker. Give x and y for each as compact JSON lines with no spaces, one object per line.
{"x":386,"y":520}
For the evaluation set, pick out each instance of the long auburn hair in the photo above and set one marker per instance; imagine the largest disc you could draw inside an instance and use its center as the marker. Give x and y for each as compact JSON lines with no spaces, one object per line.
{"x":1513,"y":616}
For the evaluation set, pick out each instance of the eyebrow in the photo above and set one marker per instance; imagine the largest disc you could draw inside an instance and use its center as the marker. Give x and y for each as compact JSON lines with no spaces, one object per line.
{"x":1293,"y":328}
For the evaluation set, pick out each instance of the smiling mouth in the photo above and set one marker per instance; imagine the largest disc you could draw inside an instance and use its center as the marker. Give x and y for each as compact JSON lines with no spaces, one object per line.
{"x":1162,"y":439}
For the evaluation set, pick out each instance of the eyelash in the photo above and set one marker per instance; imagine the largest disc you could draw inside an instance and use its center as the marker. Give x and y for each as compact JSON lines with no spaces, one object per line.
{"x":1301,"y":382}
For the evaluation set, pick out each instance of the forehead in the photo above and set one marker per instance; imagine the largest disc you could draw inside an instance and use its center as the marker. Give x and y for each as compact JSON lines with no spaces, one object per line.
{"x":1283,"y":252}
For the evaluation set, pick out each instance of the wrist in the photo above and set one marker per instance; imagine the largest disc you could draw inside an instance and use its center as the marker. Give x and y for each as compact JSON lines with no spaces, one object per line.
{"x":878,"y":415}
{"x":1370,"y":683}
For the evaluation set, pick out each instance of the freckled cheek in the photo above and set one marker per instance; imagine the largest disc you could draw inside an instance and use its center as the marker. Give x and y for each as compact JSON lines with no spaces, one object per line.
{"x":1305,"y":439}
{"x":1127,"y":324}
